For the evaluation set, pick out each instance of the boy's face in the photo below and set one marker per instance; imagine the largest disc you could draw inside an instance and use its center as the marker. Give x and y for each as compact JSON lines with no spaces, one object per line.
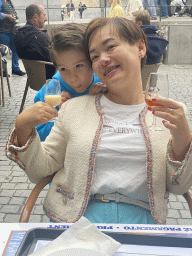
{"x":74,"y":69}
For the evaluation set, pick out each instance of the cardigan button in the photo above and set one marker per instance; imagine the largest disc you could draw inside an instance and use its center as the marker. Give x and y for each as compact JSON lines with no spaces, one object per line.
{"x":65,"y":201}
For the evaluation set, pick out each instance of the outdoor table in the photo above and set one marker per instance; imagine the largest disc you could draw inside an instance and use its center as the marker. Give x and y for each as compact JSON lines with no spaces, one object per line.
{"x":11,"y":234}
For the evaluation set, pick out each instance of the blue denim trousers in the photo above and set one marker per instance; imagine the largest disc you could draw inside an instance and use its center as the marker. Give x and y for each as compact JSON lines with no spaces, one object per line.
{"x":8,"y":39}
{"x":101,"y":212}
{"x":164,"y":9}
{"x":151,"y":7}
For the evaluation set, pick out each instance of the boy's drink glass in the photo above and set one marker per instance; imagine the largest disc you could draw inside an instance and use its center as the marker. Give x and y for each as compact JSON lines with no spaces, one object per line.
{"x":53,"y":93}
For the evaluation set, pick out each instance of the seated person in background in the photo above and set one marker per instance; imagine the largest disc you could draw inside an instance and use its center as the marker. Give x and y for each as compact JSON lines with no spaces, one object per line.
{"x":100,"y":146}
{"x":116,"y":9}
{"x":156,"y":45}
{"x":30,"y":41}
{"x":74,"y":71}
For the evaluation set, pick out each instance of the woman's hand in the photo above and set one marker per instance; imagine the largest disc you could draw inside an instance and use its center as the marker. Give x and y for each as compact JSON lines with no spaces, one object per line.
{"x":36,"y":114}
{"x":175,"y":120}
{"x":97,"y":88}
{"x":64,"y":97}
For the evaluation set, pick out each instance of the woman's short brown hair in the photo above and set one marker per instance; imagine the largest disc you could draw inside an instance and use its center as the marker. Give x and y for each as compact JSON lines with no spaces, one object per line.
{"x":67,"y":37}
{"x":126,"y":29}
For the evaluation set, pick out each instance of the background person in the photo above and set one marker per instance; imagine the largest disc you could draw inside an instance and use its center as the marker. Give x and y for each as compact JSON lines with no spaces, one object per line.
{"x":31,"y":42}
{"x":68,"y":9}
{"x":100,"y":146}
{"x":7,"y":32}
{"x":81,"y":9}
{"x":72,"y":9}
{"x":116,"y":9}
{"x":156,"y":45}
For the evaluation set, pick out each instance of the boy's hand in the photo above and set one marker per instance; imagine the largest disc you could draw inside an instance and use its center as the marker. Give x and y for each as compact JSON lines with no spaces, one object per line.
{"x":64,"y":97}
{"x":97,"y":88}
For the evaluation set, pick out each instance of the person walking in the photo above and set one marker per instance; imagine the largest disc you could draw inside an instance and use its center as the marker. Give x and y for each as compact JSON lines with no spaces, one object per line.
{"x":7,"y":32}
{"x":68,"y":9}
{"x":81,"y":9}
{"x":72,"y":9}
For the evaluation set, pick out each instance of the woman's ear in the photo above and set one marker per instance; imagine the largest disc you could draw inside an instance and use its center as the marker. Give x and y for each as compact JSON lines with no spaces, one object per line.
{"x":142,"y":48}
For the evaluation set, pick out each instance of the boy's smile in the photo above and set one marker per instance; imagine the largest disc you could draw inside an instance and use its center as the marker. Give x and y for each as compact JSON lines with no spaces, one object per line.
{"x":75,"y":69}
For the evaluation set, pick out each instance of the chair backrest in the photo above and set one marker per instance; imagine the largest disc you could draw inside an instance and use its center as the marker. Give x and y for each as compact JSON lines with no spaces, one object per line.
{"x":36,"y":73}
{"x":145,"y":72}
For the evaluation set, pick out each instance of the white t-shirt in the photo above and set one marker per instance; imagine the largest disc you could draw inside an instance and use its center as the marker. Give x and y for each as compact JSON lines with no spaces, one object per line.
{"x":120,"y":164}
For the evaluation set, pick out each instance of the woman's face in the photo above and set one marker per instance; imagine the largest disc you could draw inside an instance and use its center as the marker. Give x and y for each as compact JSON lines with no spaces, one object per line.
{"x":110,"y":2}
{"x":114,"y":61}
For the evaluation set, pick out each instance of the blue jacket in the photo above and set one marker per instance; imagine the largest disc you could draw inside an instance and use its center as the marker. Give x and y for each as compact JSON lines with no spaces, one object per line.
{"x":155,"y":44}
{"x":44,"y":129}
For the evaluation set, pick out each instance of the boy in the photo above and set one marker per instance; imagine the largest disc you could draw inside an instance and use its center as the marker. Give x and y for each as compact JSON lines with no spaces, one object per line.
{"x":74,"y":69}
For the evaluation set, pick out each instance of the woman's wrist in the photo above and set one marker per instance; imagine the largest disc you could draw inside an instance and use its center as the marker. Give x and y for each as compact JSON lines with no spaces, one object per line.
{"x":23,"y":131}
{"x":180,"y":148}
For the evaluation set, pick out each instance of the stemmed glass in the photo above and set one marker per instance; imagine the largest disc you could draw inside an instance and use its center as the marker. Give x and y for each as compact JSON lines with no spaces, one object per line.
{"x":157,"y":85}
{"x":52,"y":93}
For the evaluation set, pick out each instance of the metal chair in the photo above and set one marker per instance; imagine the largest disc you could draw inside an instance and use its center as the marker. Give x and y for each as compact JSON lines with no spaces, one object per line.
{"x":36,"y":76}
{"x":25,"y":215}
{"x":145,"y":72}
{"x":4,"y":49}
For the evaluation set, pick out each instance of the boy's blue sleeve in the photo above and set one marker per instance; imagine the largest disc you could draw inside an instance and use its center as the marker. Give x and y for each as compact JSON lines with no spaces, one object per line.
{"x":40,"y":95}
{"x":44,"y":130}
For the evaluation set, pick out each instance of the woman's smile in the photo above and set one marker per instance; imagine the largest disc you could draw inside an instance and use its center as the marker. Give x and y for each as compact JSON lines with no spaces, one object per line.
{"x":110,"y":70}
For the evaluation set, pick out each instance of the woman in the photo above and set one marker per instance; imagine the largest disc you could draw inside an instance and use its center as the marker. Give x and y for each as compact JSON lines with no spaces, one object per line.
{"x":116,"y":9}
{"x":108,"y":166}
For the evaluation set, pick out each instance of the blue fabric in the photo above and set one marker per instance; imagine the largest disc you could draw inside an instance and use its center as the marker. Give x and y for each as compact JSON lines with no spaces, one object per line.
{"x":151,"y":7}
{"x":164,"y":9}
{"x":155,"y":44}
{"x":100,"y":212}
{"x":8,"y":39}
{"x":2,"y":15}
{"x":44,"y":129}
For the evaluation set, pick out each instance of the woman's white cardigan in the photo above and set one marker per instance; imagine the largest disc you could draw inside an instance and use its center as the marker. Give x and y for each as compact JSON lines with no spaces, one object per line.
{"x":70,"y":149}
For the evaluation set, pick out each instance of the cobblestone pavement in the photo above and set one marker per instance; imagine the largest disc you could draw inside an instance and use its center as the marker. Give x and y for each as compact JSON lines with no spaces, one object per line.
{"x":14,"y":184}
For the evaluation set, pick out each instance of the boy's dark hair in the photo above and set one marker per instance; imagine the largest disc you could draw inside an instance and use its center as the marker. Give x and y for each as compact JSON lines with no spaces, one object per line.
{"x":143,"y":16}
{"x":67,"y":37}
{"x":126,"y":29}
{"x":31,"y":10}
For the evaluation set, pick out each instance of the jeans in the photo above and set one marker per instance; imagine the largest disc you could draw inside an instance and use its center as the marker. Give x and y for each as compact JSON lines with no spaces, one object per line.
{"x":164,"y":10}
{"x":100,"y":212}
{"x":8,"y":39}
{"x":151,"y":7}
